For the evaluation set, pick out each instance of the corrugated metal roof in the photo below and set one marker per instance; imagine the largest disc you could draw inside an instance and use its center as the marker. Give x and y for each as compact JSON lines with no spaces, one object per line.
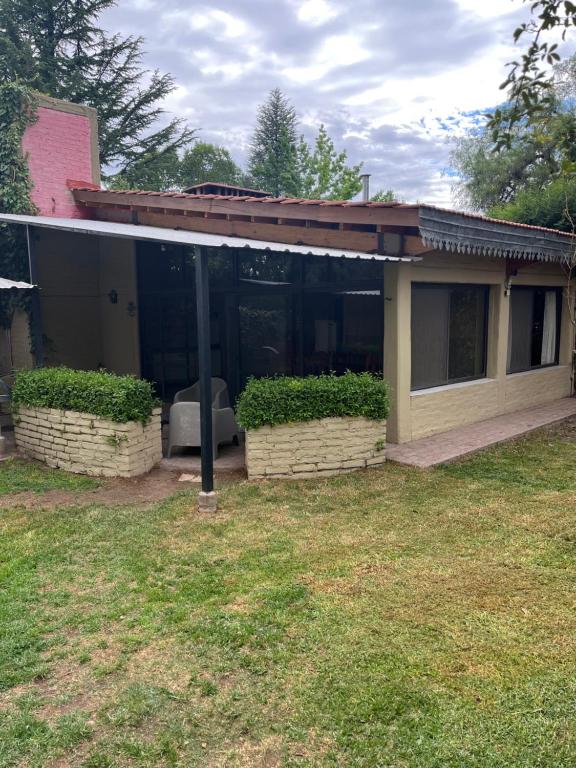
{"x":479,"y":235}
{"x":6,"y":284}
{"x":184,"y":237}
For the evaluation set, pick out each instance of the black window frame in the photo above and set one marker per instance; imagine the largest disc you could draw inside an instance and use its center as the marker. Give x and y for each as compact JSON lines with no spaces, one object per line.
{"x":559,"y":295}
{"x":231,"y":279}
{"x":455,"y":286}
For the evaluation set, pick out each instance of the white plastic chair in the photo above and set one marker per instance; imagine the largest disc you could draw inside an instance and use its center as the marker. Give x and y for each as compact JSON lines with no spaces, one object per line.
{"x":184,"y":427}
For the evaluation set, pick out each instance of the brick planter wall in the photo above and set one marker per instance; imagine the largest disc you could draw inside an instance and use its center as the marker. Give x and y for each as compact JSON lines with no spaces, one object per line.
{"x":89,"y":445}
{"x":315,"y":448}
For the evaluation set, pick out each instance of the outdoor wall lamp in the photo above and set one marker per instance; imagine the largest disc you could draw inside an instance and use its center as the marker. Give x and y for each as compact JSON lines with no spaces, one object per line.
{"x":131,"y":309}
{"x":113,"y":296}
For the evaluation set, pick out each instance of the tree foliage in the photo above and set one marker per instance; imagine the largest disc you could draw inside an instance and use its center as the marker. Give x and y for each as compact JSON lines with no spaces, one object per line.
{"x":57,"y":47}
{"x":488,"y":179}
{"x":384,"y":196}
{"x":273,"y":162}
{"x":547,"y":206}
{"x":530,"y":82}
{"x":324,"y":173}
{"x":169,"y":171}
{"x":538,"y":153}
{"x":283,"y":163}
{"x":17,"y":111}
{"x":209,"y":162}
{"x":157,"y":171}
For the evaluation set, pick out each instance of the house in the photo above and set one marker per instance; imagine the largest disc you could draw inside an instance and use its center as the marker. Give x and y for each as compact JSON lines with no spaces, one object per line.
{"x":467,"y":317}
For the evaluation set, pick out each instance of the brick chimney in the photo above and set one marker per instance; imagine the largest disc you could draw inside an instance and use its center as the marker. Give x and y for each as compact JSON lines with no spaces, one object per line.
{"x":61,"y":147}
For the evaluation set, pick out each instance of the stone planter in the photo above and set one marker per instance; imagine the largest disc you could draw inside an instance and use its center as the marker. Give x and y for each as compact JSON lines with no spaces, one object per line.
{"x":315,"y":448}
{"x":87,"y":444}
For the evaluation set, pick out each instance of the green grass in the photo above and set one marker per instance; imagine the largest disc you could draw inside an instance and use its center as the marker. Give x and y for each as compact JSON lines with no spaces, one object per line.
{"x":17,"y":476}
{"x":401,"y":618}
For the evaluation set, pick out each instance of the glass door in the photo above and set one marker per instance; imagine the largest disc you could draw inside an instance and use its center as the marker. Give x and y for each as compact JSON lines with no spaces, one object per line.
{"x":266,"y":335}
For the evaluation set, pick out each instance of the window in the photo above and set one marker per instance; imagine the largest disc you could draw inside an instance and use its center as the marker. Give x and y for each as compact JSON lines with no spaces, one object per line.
{"x":533,"y":334}
{"x":342,"y":330}
{"x":448,"y":334}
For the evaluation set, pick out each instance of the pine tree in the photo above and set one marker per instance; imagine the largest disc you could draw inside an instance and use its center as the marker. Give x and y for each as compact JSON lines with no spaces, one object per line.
{"x":56,"y":47}
{"x":273,"y":162}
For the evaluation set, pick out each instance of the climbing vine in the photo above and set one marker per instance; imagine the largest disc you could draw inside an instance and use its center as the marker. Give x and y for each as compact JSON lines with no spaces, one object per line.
{"x":17,"y":112}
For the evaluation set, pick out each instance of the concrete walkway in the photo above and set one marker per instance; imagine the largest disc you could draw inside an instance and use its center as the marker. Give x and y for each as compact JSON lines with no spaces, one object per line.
{"x":230,"y":459}
{"x":451,"y":445}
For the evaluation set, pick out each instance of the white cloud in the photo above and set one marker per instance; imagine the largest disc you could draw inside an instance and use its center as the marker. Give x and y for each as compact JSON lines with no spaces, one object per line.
{"x":489,"y":9}
{"x":315,"y":12}
{"x":337,"y":51}
{"x":392,"y":80}
{"x":214,"y":21}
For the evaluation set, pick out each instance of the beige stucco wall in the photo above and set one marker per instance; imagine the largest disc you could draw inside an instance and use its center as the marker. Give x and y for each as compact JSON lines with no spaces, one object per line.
{"x":523,"y":390}
{"x":426,"y":412}
{"x":88,"y":444}
{"x":83,"y":329}
{"x":317,"y":448}
{"x":445,"y":408}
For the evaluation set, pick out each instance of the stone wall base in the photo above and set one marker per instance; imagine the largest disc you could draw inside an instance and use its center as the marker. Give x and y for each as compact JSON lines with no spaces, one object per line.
{"x":318,"y":448}
{"x":87,"y":444}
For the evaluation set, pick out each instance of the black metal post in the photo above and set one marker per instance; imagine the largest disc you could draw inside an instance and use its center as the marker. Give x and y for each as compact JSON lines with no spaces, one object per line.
{"x":205,"y":375}
{"x":35,"y":307}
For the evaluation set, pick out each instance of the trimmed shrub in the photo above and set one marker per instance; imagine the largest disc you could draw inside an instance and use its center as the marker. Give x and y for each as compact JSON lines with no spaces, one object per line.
{"x":285,"y":399}
{"x":118,"y":398}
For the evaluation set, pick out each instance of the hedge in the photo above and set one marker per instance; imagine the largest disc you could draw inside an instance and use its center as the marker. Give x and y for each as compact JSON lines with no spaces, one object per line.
{"x":118,"y":398}
{"x":285,"y":399}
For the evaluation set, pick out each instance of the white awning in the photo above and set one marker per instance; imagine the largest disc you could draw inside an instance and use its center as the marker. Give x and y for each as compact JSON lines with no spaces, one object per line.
{"x":184,"y":237}
{"x":7,"y":284}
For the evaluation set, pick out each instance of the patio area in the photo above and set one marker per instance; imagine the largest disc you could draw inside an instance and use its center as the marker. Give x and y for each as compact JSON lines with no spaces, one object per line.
{"x":230,"y":459}
{"x":456,"y":443}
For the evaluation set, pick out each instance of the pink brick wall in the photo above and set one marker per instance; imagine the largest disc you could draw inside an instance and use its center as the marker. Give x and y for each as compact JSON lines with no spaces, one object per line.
{"x":58,"y":146}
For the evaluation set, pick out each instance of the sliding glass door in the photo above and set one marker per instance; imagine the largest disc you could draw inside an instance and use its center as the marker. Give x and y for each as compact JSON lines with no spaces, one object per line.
{"x":266,"y":335}
{"x":271,"y":314}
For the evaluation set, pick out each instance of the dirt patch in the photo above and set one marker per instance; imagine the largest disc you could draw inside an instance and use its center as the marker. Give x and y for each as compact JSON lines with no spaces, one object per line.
{"x":144,"y":490}
{"x":564,"y":430}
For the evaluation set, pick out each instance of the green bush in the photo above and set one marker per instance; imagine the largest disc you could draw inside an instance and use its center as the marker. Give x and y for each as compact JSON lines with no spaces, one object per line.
{"x":118,"y":398}
{"x":288,"y":399}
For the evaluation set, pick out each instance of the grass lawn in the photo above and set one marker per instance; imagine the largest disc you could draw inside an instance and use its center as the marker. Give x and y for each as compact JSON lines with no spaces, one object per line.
{"x":394,"y":618}
{"x":17,"y":476}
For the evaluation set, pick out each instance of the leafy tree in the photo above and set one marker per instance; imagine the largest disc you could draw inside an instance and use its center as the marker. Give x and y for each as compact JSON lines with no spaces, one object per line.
{"x":384,"y":196}
{"x":273,"y":162}
{"x":539,"y":151}
{"x":324,"y":173}
{"x":547,"y":206}
{"x":17,"y":112}
{"x":56,"y":47}
{"x":157,"y":171}
{"x":209,"y":162}
{"x":488,"y":179}
{"x":529,"y":84}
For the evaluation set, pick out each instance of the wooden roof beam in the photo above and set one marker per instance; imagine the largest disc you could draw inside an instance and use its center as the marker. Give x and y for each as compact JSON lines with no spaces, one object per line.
{"x":346,"y":214}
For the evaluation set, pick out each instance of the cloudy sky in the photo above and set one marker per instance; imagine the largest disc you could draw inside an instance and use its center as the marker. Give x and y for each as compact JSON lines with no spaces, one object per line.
{"x":393,"y":80}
